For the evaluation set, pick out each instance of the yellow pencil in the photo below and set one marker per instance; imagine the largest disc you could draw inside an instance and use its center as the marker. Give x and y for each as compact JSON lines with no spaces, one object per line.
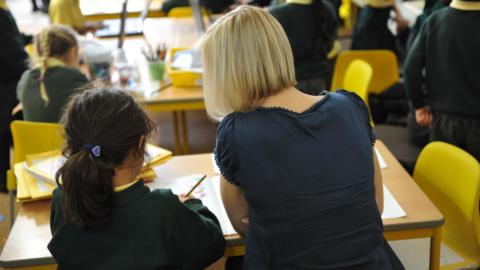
{"x":196,"y":185}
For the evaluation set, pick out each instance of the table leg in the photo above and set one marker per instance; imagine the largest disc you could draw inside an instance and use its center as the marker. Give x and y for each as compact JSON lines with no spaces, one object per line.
{"x":183,"y":123}
{"x":435,"y":247}
{"x":176,"y":132}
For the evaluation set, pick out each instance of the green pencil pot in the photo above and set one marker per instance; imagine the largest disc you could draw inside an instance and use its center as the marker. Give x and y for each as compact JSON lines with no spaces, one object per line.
{"x":157,"y":70}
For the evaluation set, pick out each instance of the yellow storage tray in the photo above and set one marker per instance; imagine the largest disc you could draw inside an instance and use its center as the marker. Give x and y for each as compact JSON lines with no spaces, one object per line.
{"x":182,"y":78}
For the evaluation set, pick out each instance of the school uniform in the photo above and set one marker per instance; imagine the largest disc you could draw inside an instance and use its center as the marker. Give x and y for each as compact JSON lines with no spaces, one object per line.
{"x":304,"y":212}
{"x":371,"y":31}
{"x":297,"y":18}
{"x":66,"y":12}
{"x":447,"y":51}
{"x":215,"y":6}
{"x":60,"y":82}
{"x":147,"y":230}
{"x":13,"y":62}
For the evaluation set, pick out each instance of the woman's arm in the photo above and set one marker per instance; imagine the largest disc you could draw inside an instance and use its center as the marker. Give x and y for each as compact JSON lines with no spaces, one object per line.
{"x":235,"y":204}
{"x":378,"y":182}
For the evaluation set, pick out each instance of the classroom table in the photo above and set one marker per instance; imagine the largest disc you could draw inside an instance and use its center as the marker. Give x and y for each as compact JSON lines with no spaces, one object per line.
{"x":26,"y":245}
{"x":97,"y":10}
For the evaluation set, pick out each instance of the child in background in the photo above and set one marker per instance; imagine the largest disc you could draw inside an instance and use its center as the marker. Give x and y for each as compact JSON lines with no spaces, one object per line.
{"x":44,"y":90}
{"x":67,"y":12}
{"x":371,"y":31}
{"x":311,"y":27}
{"x":275,"y":148}
{"x":102,"y":218}
{"x":13,"y":62}
{"x":444,"y":59}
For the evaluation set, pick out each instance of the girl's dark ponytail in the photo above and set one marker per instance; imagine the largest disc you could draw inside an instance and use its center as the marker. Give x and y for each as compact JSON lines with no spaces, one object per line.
{"x":102,"y":128}
{"x":87,"y":185}
{"x":324,"y":41}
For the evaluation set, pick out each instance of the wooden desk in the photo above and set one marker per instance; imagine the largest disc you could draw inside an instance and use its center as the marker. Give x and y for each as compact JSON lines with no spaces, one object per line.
{"x":27,"y":242}
{"x":94,"y":10}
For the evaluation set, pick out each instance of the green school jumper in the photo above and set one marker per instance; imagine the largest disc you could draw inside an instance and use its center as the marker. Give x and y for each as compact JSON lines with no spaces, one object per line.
{"x":148,"y":230}
{"x":60,"y":82}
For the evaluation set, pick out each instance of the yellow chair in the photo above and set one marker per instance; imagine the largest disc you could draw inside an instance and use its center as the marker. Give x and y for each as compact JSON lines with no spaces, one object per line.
{"x":30,"y":138}
{"x":357,"y":78}
{"x":383,"y":62}
{"x":450,"y":177}
{"x":183,"y":12}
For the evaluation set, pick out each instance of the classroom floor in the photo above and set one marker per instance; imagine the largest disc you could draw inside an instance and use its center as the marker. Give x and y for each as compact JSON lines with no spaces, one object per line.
{"x":413,"y":253}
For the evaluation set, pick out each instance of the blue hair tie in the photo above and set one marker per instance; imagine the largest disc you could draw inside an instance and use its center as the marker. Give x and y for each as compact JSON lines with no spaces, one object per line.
{"x":95,"y":150}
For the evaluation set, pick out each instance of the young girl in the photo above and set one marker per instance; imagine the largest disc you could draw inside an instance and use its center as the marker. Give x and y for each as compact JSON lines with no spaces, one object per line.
{"x":299,"y":176}
{"x":102,"y":218}
{"x":44,"y":90}
{"x":311,"y":27}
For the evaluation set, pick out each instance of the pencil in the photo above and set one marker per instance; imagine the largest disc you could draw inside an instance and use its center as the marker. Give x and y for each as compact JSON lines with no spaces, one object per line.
{"x":196,"y":185}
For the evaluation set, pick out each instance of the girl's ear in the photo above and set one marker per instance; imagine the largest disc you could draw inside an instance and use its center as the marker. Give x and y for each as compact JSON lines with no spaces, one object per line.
{"x":141,"y":142}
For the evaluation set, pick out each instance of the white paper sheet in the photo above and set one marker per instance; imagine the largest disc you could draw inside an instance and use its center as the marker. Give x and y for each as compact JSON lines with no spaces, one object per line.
{"x":208,"y":192}
{"x":381,"y":161}
{"x":391,"y":207}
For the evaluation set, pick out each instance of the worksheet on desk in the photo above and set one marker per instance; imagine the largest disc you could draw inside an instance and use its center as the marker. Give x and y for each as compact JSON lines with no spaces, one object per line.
{"x":208,"y":192}
{"x":391,"y":207}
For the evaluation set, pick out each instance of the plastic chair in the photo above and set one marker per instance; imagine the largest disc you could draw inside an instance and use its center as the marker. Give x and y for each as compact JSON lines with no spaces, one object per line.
{"x":450,"y":177}
{"x":383,"y":62}
{"x":183,"y":12}
{"x":357,"y":78}
{"x":30,"y":138}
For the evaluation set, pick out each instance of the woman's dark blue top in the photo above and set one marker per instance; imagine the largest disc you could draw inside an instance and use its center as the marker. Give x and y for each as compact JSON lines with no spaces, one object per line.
{"x":309,"y":182}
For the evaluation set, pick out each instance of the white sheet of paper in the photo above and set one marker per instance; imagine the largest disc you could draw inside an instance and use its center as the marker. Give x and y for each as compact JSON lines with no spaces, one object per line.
{"x":216,"y":170}
{"x":381,"y":161}
{"x":391,"y":207}
{"x":208,"y":192}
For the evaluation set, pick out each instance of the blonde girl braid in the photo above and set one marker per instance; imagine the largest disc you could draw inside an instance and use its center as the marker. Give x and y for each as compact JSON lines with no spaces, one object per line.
{"x":45,"y":45}
{"x":56,"y":40}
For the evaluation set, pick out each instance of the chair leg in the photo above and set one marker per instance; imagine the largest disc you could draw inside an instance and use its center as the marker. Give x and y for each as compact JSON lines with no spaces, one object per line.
{"x":11,"y":205}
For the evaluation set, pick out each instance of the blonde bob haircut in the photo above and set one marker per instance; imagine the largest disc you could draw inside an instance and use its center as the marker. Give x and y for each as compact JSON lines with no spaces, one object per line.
{"x":246,"y":57}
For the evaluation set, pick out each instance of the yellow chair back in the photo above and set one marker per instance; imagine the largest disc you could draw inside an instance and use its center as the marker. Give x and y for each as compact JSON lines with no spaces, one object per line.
{"x":33,"y":138}
{"x":357,"y":78}
{"x":451,"y":179}
{"x":183,"y":12}
{"x":383,"y":62}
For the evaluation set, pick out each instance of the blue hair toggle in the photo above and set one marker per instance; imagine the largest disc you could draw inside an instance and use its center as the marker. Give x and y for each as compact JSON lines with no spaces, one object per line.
{"x":95,"y":150}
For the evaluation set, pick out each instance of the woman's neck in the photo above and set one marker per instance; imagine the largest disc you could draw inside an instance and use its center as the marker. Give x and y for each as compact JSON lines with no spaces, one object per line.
{"x":292,"y":99}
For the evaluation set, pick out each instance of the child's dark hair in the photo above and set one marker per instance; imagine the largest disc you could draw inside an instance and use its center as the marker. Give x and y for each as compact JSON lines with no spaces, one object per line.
{"x":113,"y":121}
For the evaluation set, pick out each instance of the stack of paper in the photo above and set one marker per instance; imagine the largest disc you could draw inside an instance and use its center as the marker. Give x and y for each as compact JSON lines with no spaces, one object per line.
{"x":36,"y":176}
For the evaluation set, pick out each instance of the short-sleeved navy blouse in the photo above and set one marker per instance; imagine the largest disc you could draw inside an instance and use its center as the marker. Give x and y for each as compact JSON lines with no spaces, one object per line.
{"x":309,"y":180}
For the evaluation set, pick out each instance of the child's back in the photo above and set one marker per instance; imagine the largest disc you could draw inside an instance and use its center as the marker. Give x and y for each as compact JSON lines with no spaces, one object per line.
{"x":148,"y":230}
{"x":60,"y":83}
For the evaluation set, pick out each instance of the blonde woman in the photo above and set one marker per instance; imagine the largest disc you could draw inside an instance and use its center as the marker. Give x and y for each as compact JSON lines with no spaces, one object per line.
{"x":299,"y":179}
{"x":44,"y":90}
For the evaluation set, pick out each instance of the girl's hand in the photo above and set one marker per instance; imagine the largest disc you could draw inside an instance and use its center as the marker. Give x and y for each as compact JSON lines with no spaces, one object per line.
{"x":17,"y":109}
{"x":184,"y":198}
{"x":423,"y":116}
